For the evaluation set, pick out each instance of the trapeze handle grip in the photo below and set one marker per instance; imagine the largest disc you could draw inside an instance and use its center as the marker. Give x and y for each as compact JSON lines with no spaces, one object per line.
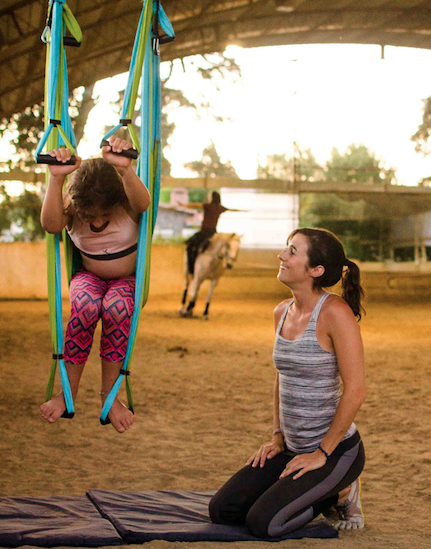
{"x":70,"y":41}
{"x":128,"y":153}
{"x":165,"y":38}
{"x":52,"y":161}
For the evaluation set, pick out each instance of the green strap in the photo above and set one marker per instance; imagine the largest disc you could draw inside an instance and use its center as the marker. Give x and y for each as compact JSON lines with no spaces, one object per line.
{"x":72,"y":23}
{"x":52,"y":143}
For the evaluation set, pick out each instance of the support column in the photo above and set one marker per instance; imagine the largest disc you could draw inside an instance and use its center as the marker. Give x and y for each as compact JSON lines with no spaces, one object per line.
{"x":416,"y":238}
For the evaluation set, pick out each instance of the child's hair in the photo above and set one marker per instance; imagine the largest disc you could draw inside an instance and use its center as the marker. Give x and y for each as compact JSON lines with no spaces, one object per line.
{"x":95,"y":184}
{"x":325,"y":249}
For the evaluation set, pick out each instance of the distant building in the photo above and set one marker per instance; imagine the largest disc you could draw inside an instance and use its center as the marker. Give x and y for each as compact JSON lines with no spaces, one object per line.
{"x":410,"y":238}
{"x":179,"y":196}
{"x":176,"y":221}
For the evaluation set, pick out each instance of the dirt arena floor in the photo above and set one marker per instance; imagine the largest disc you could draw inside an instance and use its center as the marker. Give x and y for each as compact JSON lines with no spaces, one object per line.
{"x":203,"y":394}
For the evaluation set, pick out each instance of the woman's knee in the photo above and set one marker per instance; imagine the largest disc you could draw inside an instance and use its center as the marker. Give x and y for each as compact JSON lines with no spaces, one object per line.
{"x":215,"y":510}
{"x":256,"y":522}
{"x":225,"y":511}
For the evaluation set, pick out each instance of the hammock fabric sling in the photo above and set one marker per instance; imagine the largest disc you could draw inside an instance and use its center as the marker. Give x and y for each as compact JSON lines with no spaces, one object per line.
{"x":144,"y":67}
{"x":58,"y":132}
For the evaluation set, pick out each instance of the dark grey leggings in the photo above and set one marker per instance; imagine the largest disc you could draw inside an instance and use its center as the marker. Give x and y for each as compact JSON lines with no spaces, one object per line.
{"x":271,"y":507}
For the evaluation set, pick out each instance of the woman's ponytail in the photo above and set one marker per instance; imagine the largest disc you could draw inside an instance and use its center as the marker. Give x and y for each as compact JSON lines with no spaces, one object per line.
{"x":325,"y":249}
{"x":353,"y":292}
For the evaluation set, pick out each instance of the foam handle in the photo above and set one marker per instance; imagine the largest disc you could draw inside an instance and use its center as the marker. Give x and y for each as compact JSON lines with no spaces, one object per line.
{"x":129,"y":153}
{"x":70,"y":41}
{"x":48,"y":159}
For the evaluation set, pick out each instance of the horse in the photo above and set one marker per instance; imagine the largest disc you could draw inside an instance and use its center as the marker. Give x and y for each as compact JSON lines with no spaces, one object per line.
{"x":210,"y":264}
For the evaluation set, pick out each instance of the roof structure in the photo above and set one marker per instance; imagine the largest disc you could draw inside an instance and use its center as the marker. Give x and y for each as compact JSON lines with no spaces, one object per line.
{"x":201,"y":26}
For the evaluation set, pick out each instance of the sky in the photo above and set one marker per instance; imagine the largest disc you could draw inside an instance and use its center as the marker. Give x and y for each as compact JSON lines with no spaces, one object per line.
{"x":321,"y":96}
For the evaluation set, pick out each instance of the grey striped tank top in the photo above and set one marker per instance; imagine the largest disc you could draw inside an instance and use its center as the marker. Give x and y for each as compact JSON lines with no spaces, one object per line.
{"x":309,"y":386}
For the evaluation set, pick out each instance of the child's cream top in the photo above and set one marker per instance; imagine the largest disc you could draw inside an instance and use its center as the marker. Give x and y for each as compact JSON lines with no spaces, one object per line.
{"x":108,"y":252}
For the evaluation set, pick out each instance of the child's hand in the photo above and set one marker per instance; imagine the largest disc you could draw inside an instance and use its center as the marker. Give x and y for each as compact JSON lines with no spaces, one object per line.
{"x":63,"y":155}
{"x":117,"y":145}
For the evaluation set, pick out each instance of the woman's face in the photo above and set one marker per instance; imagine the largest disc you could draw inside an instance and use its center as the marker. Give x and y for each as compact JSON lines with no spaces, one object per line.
{"x":294,"y":261}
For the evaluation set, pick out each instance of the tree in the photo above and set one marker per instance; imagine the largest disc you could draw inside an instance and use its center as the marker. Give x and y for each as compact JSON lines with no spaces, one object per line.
{"x":360,"y":226}
{"x":26,"y":129}
{"x":210,"y":165}
{"x":171,"y":99}
{"x":5,"y":219}
{"x":357,"y":165}
{"x":212,"y":68}
{"x":218,"y":64}
{"x":25,"y":214}
{"x":421,"y":137}
{"x":301,"y":167}
{"x":20,"y":216}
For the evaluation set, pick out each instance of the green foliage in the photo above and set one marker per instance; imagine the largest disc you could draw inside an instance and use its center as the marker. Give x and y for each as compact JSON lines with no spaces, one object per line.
{"x":210,"y":165}
{"x":195,"y":194}
{"x":357,"y":165}
{"x":359,"y":225}
{"x":218,"y":65}
{"x":165,"y":195}
{"x":421,"y":137}
{"x":26,"y":214}
{"x":20,"y":217}
{"x":198,"y":195}
{"x":5,"y":218}
{"x":301,"y":167}
{"x":278,"y":166}
{"x":171,"y":99}
{"x":26,"y":128}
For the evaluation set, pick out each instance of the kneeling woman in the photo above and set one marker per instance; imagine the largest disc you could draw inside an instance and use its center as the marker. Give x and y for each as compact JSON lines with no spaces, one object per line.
{"x":313,"y":462}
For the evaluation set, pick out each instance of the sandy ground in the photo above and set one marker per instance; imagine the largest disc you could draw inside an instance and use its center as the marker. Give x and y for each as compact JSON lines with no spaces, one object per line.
{"x":203,"y":405}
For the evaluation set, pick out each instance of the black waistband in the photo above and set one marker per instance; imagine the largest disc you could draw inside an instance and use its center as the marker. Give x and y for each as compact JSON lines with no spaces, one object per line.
{"x":108,"y":257}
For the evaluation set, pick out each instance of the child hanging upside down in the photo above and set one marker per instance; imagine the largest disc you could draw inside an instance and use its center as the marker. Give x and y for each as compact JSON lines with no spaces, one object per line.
{"x":100,"y":210}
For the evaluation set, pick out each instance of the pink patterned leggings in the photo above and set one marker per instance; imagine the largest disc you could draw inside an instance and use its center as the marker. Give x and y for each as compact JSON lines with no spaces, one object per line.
{"x":93,"y":298}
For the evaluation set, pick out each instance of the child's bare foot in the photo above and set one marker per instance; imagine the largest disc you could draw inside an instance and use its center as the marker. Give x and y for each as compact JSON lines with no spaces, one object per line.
{"x":120,"y":416}
{"x":54,"y":408}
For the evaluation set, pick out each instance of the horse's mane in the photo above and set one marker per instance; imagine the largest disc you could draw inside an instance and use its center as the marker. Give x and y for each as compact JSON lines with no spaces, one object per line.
{"x":220,"y":239}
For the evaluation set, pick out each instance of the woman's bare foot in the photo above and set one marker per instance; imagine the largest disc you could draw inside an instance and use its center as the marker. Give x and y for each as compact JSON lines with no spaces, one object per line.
{"x":54,"y":408}
{"x":119,"y":415}
{"x":343,"y":495}
{"x":347,"y":513}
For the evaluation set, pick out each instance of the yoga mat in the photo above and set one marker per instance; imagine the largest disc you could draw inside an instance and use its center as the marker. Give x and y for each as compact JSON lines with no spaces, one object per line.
{"x":179,"y":516}
{"x":55,"y":520}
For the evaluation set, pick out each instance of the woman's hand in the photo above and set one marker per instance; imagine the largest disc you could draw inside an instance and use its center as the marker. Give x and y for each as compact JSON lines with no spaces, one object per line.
{"x":117,"y":145}
{"x":304,"y":463}
{"x":267,"y":451}
{"x":63,"y":155}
